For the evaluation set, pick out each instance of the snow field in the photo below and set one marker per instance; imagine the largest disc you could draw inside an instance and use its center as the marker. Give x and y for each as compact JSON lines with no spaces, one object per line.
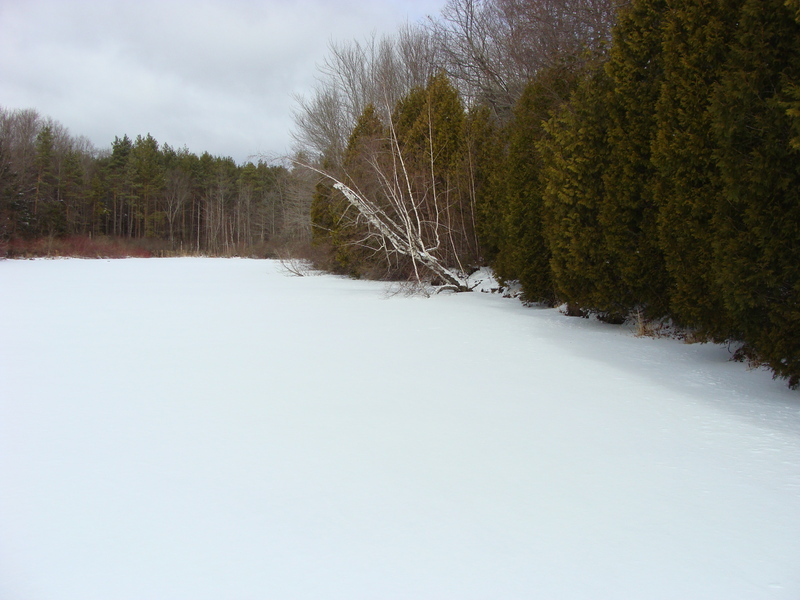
{"x":211,"y":428}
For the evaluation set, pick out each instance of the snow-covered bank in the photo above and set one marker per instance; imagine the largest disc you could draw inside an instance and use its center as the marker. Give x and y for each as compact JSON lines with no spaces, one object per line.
{"x":210,"y":428}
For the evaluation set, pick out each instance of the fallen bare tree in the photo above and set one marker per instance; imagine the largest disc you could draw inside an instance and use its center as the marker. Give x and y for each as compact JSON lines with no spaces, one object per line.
{"x":402,"y":214}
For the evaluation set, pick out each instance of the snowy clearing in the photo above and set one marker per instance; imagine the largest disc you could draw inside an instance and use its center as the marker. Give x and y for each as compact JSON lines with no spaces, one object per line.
{"x":191,"y":429}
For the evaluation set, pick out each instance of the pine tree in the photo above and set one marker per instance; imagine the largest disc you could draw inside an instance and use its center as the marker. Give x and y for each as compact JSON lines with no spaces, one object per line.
{"x":98,"y":208}
{"x":45,"y":178}
{"x":120,"y":181}
{"x":72,"y":193}
{"x":52,"y":194}
{"x":148,"y":181}
{"x":13,"y":217}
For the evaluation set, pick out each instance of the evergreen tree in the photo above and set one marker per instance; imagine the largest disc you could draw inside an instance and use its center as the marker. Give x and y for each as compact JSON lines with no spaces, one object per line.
{"x":438,"y":135}
{"x":121,"y":184}
{"x":148,"y":181}
{"x":757,"y":227}
{"x":220,"y":199}
{"x":696,"y":38}
{"x":482,"y":172}
{"x":72,"y":193}
{"x":523,"y":251}
{"x":411,"y":172}
{"x":99,"y":210}
{"x":429,"y":126}
{"x":575,"y":158}
{"x":629,"y":215}
{"x":335,"y":224}
{"x":793,"y":87}
{"x":45,"y":178}
{"x":11,"y":221}
{"x":56,"y":185}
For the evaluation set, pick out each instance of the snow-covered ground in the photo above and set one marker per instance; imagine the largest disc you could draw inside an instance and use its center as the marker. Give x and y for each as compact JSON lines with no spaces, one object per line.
{"x":191,"y":429}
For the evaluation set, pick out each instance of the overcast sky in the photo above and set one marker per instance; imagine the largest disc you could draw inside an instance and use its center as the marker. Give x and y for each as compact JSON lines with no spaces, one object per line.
{"x":212,"y":75}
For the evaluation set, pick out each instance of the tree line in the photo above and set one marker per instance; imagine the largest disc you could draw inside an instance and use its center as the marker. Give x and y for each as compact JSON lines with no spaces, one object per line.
{"x":53,"y":185}
{"x":622,"y":158}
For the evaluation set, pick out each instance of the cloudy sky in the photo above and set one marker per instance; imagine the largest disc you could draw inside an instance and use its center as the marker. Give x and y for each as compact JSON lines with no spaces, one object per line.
{"x":213,"y":75}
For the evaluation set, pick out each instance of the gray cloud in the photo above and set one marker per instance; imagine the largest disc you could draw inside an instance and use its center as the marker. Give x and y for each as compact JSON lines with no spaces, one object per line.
{"x":214,"y":75}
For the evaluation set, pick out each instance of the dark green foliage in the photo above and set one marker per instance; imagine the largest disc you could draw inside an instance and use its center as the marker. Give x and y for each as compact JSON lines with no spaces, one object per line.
{"x":757,"y":241}
{"x":575,"y":158}
{"x":120,"y":185}
{"x":414,"y":169}
{"x":323,"y":220}
{"x":629,"y":215}
{"x":483,"y":170}
{"x":49,"y":202}
{"x":46,"y":183}
{"x":523,"y":253}
{"x":696,"y":38}
{"x":55,"y":186}
{"x":792,"y":88}
{"x":147,"y":178}
{"x":430,"y":126}
{"x":335,"y":224}
{"x":73,"y":193}
{"x":367,"y":142}
{"x":16,"y":216}
{"x":326,"y":214}
{"x":675,"y":186}
{"x":98,"y":208}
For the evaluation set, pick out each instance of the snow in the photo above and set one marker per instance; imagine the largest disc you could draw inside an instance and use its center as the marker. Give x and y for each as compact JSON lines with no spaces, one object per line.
{"x":213,"y":429}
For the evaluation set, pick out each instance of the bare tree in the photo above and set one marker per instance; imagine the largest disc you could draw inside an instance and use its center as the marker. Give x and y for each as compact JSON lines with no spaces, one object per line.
{"x":377,"y":71}
{"x":471,"y":34}
{"x":177,"y":192}
{"x":401,"y":216}
{"x":321,"y":124}
{"x":18,"y":131}
{"x":419,"y":55}
{"x":295,"y":189}
{"x":492,"y":48}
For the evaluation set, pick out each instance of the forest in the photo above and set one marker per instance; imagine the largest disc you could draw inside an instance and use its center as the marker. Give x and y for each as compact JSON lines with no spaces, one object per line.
{"x":618,"y":157}
{"x":58,"y":193}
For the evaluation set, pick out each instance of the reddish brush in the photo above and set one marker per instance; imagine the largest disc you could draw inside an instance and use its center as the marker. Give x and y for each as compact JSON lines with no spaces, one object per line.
{"x":74,"y":246}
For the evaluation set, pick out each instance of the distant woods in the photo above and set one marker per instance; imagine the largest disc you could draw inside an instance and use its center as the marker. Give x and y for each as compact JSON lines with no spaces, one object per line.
{"x":54,"y":185}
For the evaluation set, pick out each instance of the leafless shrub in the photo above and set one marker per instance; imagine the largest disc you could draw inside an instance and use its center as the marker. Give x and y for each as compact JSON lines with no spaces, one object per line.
{"x":296,"y":267}
{"x":409,"y":289}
